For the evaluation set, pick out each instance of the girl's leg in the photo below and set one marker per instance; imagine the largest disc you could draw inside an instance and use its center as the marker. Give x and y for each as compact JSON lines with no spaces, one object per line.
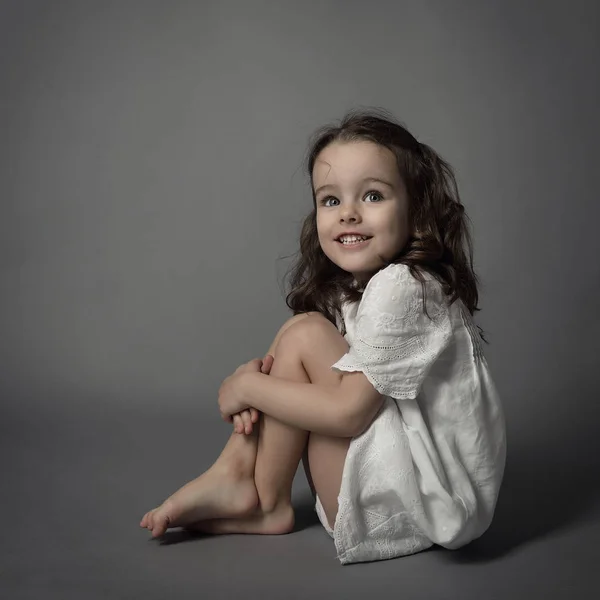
{"x":226,"y":489}
{"x":304,"y":353}
{"x":280,"y":448}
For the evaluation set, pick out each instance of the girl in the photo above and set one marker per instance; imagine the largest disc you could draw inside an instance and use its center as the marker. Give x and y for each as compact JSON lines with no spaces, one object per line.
{"x":378,"y":380}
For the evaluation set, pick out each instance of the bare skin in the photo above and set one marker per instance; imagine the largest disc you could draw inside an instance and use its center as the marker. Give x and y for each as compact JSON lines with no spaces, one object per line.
{"x":225,"y":490}
{"x":248,"y":489}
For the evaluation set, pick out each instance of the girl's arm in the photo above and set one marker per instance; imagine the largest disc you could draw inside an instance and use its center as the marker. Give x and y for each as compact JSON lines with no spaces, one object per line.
{"x":343,"y":410}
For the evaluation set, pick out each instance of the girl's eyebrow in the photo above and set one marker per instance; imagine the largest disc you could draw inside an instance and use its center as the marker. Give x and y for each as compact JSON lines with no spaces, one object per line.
{"x":366,"y":179}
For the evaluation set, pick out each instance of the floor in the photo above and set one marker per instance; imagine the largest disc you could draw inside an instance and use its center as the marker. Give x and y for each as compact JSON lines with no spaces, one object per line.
{"x":78,"y":475}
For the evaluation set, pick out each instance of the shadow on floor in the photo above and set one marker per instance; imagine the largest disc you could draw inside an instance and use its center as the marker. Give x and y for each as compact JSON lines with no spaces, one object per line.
{"x":541,"y":495}
{"x":305,"y":514}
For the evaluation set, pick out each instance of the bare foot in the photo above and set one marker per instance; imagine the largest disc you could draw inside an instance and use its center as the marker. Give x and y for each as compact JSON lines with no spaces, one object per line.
{"x":277,"y":522}
{"x":220,"y":492}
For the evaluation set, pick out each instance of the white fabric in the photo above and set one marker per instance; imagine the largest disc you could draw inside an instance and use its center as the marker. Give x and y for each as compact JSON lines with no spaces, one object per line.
{"x":429,"y":467}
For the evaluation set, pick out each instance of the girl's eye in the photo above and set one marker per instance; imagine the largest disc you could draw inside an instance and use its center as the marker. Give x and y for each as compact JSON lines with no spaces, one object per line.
{"x":326,"y":201}
{"x":374,"y":193}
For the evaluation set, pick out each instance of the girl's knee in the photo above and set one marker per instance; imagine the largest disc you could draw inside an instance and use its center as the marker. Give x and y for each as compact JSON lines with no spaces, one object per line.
{"x":311,"y":332}
{"x":289,"y":323}
{"x":317,"y":344}
{"x":297,"y":318}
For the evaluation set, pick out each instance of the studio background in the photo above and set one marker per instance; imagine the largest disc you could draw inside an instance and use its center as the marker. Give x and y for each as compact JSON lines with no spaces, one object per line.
{"x":151,"y":188}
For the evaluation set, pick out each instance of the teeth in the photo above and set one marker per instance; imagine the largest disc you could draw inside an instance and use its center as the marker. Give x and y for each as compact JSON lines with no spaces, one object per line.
{"x":351,"y":239}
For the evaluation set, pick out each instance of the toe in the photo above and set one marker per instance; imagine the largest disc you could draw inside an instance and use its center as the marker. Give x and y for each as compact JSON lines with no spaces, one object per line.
{"x":145,"y":519}
{"x":150,"y":520}
{"x":160,"y":523}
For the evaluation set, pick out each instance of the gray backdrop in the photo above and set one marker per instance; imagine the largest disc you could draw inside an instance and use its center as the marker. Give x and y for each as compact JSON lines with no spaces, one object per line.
{"x":151,"y":187}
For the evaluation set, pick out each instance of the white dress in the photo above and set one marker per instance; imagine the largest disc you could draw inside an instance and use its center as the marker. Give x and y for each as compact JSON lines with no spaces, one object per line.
{"x":429,"y":467}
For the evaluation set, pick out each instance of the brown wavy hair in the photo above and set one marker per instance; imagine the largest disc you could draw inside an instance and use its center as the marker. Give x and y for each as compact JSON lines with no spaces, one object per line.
{"x":440,"y":242}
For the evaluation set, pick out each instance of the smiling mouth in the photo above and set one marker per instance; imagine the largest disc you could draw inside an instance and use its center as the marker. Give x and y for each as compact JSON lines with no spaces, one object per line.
{"x":354,"y":242}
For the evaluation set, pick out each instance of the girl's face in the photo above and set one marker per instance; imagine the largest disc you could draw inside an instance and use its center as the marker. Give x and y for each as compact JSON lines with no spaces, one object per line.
{"x":358,"y":190}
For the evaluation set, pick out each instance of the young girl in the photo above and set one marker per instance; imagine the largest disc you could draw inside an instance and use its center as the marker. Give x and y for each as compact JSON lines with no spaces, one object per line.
{"x":378,"y":381}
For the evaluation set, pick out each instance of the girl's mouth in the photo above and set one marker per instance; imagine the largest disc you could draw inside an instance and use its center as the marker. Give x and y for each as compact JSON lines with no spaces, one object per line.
{"x":354,"y":244}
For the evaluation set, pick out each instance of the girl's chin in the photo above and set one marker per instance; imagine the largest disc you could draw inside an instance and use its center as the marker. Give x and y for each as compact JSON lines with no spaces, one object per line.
{"x":355,"y":262}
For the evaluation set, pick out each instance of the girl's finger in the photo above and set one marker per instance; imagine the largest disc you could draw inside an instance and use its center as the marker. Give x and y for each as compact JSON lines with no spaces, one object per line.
{"x":247,"y":420}
{"x":238,"y":426}
{"x":253,"y":415}
{"x":241,"y":423}
{"x":267,"y":363}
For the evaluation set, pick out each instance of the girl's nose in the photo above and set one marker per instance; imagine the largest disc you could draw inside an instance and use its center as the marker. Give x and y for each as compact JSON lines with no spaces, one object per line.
{"x":349,"y":213}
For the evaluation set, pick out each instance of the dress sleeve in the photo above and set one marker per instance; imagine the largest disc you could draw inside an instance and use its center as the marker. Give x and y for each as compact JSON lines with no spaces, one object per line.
{"x":395,"y":342}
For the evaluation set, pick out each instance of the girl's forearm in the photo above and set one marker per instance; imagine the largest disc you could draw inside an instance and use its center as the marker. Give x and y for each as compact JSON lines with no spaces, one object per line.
{"x":303,"y":405}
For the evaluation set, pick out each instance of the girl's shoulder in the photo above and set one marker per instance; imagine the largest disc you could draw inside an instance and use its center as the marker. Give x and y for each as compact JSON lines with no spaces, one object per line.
{"x":394,"y":293}
{"x":396,"y":275}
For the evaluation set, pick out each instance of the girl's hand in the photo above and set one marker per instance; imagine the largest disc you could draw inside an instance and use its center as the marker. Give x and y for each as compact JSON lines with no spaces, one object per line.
{"x":243,"y":421}
{"x":231,"y":395}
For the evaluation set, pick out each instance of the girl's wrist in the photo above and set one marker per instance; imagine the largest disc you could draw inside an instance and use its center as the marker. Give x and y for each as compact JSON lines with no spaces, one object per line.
{"x":248,"y":393}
